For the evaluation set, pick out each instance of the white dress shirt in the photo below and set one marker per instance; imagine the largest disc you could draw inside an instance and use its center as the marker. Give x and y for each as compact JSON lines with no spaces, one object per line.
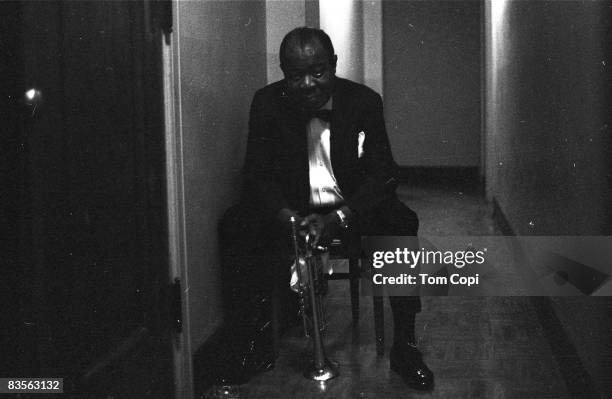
{"x":324,"y":190}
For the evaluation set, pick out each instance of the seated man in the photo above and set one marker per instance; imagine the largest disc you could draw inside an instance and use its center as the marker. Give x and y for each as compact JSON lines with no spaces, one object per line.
{"x":318,"y":151}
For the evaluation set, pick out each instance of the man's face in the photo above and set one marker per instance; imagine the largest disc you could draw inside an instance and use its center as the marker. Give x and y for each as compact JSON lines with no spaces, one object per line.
{"x":309,"y":72}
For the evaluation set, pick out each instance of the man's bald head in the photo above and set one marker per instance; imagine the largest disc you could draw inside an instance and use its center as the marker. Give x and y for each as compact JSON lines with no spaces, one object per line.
{"x":298,"y":39}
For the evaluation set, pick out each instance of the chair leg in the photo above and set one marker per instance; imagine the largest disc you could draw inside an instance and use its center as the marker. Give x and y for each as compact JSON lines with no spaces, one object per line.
{"x":379,"y":324}
{"x":354,"y":275}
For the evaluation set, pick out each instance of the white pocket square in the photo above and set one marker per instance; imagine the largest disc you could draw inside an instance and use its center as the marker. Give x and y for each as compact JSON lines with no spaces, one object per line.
{"x":360,"y":140}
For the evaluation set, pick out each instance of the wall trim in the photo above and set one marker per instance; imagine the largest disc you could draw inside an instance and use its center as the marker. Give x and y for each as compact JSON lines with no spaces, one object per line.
{"x":500,"y":219}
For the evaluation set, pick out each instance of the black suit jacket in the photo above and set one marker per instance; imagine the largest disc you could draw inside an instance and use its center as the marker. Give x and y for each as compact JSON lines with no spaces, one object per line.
{"x":276,"y":166}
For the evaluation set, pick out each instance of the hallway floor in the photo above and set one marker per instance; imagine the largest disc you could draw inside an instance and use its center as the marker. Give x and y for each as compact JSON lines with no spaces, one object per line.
{"x":481,"y":347}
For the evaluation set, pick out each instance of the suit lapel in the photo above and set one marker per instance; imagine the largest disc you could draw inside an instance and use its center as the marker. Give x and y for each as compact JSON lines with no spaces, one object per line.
{"x":293,"y":128}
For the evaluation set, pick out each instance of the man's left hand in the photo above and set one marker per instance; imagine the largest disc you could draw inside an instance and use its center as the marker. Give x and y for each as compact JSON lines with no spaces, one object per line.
{"x":322,"y":227}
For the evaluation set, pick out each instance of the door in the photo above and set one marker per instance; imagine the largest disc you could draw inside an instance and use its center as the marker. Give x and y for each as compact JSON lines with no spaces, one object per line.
{"x":84,"y":168}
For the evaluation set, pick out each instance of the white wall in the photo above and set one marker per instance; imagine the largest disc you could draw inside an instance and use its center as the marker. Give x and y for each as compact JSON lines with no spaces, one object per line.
{"x":220,"y":60}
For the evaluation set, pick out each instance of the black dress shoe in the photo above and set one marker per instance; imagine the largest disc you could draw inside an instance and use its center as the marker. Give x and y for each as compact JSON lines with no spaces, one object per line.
{"x":407,"y":361}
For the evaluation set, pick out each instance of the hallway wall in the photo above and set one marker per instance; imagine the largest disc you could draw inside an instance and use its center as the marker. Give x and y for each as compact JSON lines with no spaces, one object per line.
{"x":548,"y":141}
{"x":547,"y":135}
{"x":432,"y":81}
{"x":221,"y":49}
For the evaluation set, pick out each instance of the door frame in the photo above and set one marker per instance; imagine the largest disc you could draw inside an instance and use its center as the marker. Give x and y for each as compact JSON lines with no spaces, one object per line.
{"x":177,"y":243}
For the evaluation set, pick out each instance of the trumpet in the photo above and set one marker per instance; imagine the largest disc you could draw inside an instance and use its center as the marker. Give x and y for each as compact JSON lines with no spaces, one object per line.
{"x":310,"y":290}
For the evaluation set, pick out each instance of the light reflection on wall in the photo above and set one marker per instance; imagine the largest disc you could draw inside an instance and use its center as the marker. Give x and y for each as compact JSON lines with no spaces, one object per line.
{"x":496,"y":57}
{"x":497,"y":28}
{"x":342,"y":20}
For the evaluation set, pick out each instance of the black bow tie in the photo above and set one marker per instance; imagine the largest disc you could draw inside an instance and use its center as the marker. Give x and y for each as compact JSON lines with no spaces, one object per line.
{"x":323,"y":114}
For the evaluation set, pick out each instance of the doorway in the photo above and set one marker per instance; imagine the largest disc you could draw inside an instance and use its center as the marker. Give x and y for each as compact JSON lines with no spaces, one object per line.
{"x":84,"y":162}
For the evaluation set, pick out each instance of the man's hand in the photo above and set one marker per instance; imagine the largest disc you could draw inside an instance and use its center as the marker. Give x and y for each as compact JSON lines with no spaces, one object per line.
{"x":322,"y":227}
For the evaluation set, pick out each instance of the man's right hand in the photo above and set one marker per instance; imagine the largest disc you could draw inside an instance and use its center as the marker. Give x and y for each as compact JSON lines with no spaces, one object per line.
{"x":311,"y":224}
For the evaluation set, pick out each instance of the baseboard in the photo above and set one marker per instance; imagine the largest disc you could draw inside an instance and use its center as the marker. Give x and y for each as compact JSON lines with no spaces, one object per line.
{"x":500,"y":219}
{"x":577,"y":379}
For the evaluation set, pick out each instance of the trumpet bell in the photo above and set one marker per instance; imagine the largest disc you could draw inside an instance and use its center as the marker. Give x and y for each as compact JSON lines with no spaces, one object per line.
{"x":328,"y":371}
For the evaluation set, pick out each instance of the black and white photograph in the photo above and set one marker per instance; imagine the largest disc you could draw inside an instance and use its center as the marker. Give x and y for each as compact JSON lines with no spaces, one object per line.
{"x":308,"y":199}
